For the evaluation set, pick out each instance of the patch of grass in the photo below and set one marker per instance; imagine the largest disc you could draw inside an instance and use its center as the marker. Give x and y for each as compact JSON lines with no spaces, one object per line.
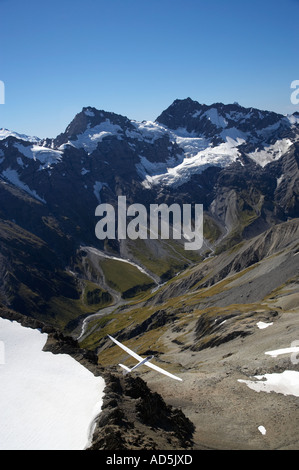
{"x":178,"y":250}
{"x":164,"y":262}
{"x":233,"y":239}
{"x":249,"y":208}
{"x":211,"y":231}
{"x":10,"y":232}
{"x":62,"y":310}
{"x":284,"y":289}
{"x":113,"y":323}
{"x":95,"y":297}
{"x":124,"y":277}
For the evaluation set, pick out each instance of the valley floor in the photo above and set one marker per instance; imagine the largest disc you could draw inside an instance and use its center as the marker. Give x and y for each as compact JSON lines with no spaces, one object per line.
{"x":227,"y":413}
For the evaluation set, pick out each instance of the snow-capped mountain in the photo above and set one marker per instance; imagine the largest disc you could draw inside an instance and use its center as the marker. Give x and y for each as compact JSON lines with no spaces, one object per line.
{"x":185,"y":139}
{"x":220,"y":134}
{"x":192,"y":152}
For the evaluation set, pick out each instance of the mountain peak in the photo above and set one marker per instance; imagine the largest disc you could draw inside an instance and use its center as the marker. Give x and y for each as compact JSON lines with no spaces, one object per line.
{"x":90,"y":121}
{"x":210,"y":120}
{"x":179,"y":112}
{"x":88,"y":117}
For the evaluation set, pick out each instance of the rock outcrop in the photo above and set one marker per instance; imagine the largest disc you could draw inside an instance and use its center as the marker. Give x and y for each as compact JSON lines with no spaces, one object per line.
{"x":135,"y":418}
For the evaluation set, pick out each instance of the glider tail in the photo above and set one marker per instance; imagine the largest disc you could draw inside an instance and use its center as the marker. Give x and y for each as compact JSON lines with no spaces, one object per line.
{"x":126,"y":369}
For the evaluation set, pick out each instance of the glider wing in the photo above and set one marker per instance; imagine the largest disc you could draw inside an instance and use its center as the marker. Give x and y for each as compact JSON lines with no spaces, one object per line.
{"x":142,"y":360}
{"x":162,"y":371}
{"x":128,"y":350}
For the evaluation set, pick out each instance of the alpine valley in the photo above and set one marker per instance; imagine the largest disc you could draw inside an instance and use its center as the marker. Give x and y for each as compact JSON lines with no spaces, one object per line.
{"x":224,"y":318}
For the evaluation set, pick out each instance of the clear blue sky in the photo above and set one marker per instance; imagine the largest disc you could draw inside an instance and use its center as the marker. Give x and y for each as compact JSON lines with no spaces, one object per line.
{"x":136,"y":57}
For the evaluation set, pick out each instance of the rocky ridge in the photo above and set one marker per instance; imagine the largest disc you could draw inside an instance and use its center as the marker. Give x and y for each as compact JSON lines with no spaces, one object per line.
{"x":135,"y":418}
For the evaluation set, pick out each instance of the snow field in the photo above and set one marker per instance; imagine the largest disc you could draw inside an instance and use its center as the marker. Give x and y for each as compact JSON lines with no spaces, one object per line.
{"x":47,"y":401}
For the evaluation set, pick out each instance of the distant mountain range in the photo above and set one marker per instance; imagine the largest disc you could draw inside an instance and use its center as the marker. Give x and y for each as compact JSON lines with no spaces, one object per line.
{"x":187,"y":137}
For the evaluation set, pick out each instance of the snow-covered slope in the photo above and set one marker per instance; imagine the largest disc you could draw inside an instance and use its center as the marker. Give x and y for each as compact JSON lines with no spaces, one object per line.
{"x":4,"y":133}
{"x":47,"y":401}
{"x":92,"y":136}
{"x":46,"y":156}
{"x":198,"y":153}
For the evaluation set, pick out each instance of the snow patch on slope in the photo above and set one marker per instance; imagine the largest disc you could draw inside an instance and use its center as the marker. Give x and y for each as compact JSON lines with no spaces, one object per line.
{"x":13,"y":177}
{"x":145,"y":167}
{"x":215,"y":118}
{"x":97,"y":188}
{"x":293,"y":118}
{"x":221,"y":155}
{"x":89,"y":113}
{"x":286,"y":382}
{"x":270,"y":153}
{"x":199,"y":153}
{"x":147,"y":131}
{"x":45,"y":155}
{"x":90,"y":138}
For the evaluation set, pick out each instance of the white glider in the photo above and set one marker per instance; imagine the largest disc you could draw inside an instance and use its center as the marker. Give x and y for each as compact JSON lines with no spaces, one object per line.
{"x":141,"y":361}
